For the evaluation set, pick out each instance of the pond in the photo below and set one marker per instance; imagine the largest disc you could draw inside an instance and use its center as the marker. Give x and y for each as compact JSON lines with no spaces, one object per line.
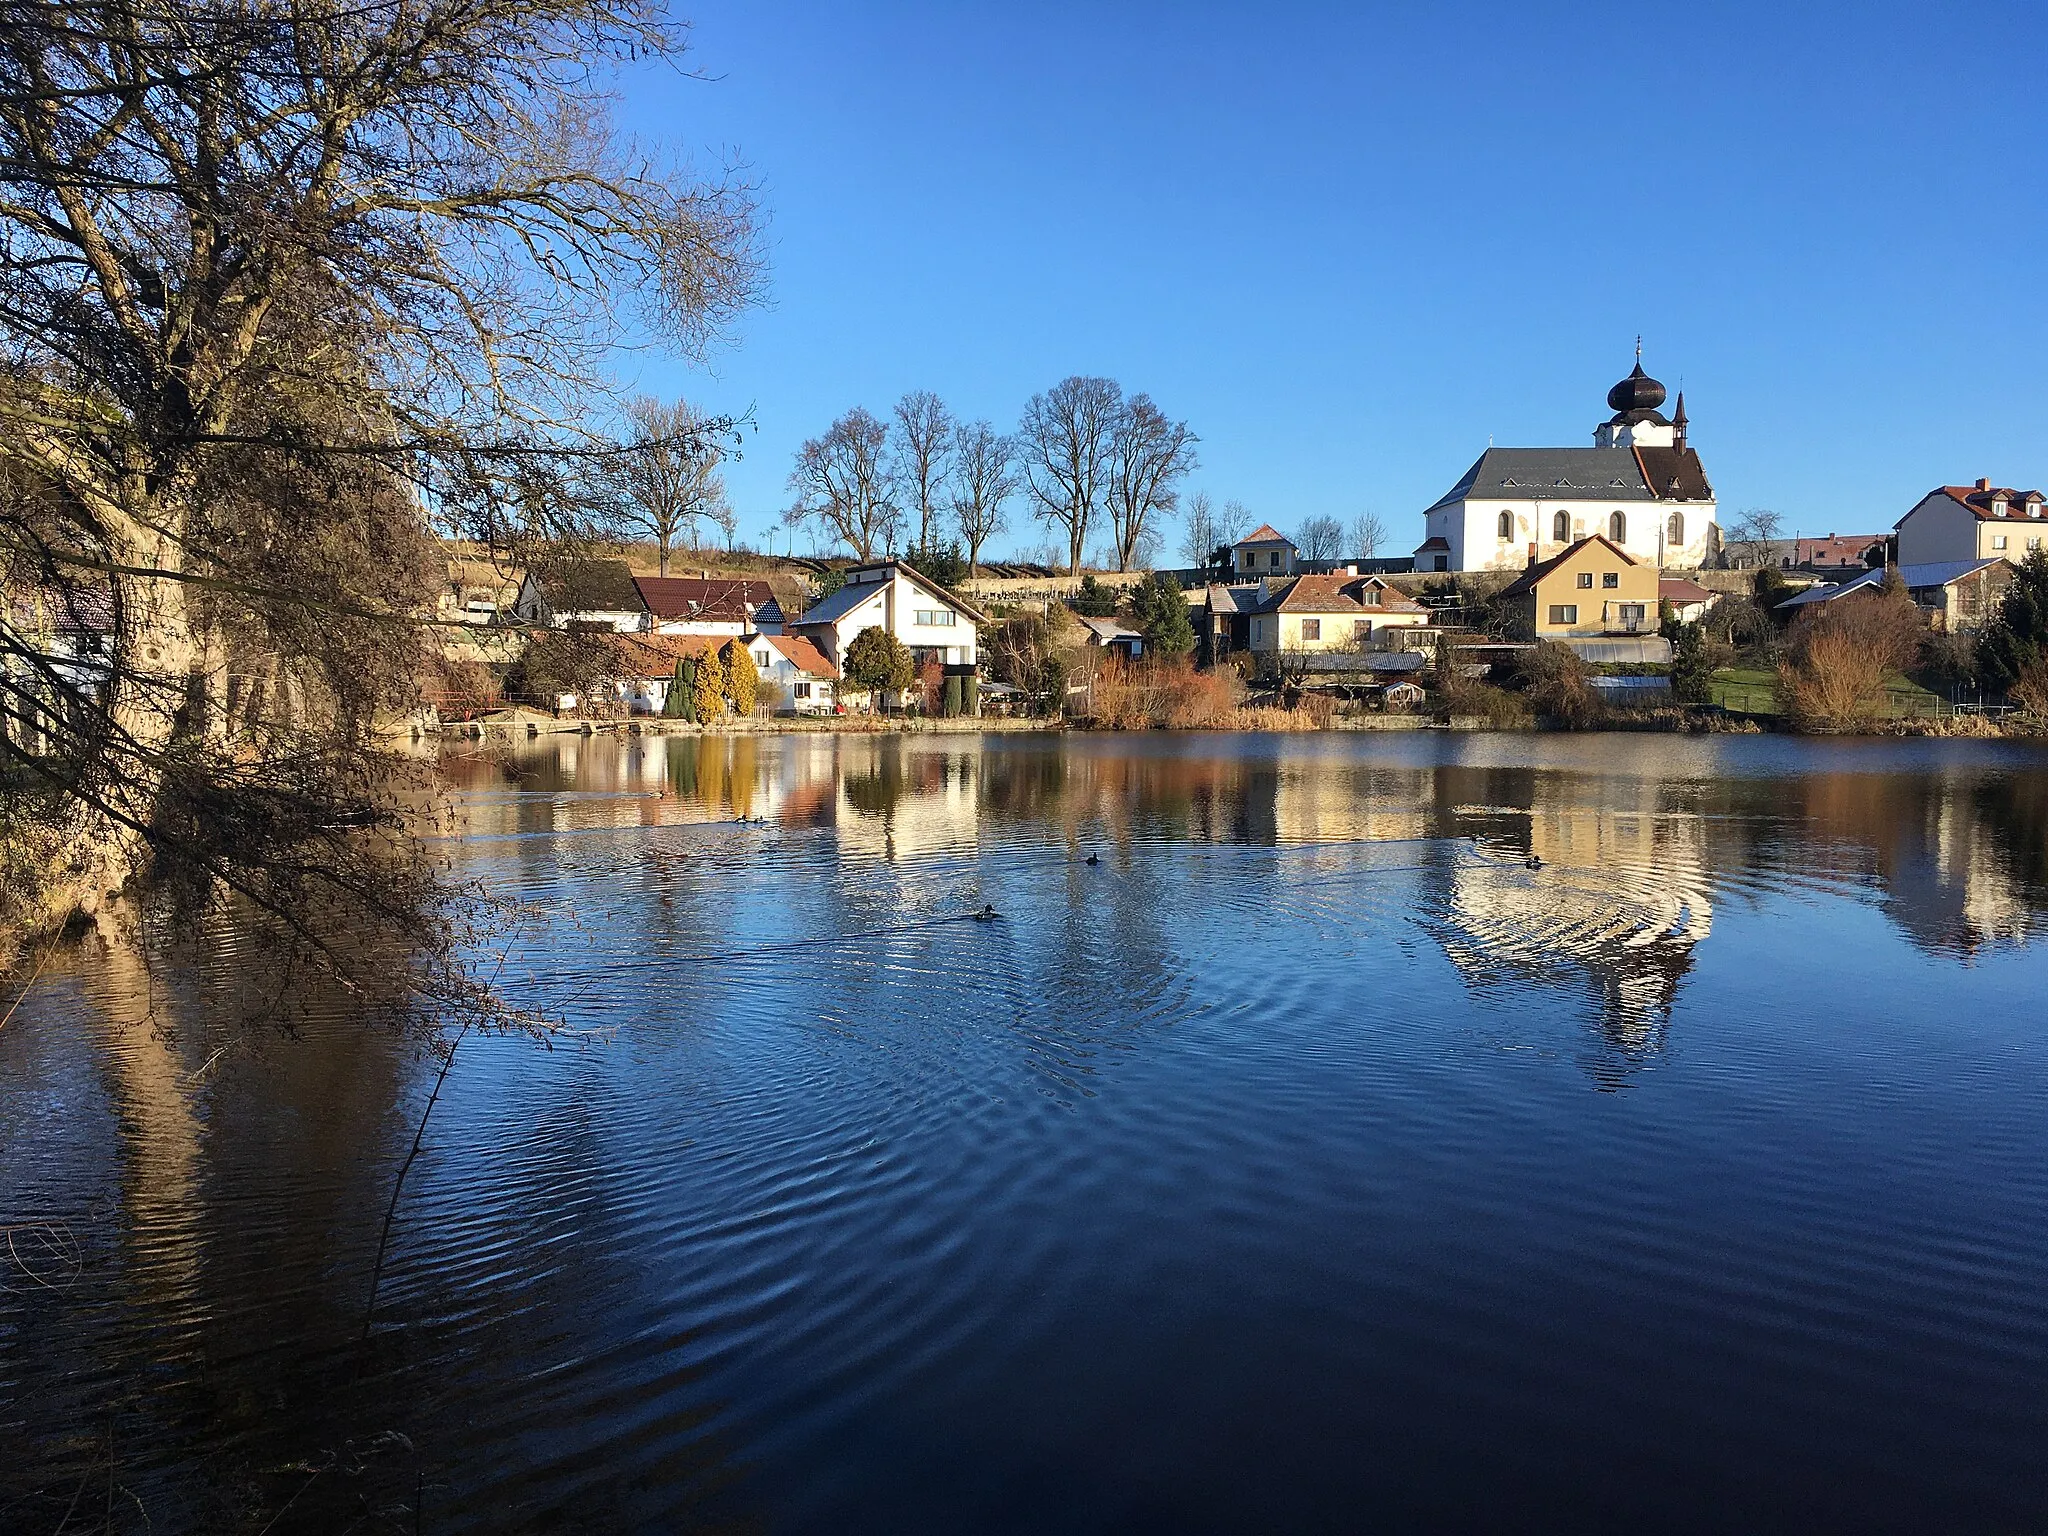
{"x":1417,"y":1131}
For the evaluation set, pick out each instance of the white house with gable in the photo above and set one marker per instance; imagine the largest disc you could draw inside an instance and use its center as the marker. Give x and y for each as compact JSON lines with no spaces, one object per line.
{"x":1640,"y":486}
{"x":893,"y":596}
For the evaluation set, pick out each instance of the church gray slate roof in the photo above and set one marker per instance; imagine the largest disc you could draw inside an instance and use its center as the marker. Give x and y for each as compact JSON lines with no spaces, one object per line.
{"x":1551,"y":474}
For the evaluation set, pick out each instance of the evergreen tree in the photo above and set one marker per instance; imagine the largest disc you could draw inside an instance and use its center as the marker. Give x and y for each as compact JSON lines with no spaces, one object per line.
{"x":2018,"y":637}
{"x":1690,"y":667}
{"x":1160,"y":613}
{"x":709,"y":692}
{"x":680,"y":703}
{"x":1094,"y":600}
{"x":741,"y":679}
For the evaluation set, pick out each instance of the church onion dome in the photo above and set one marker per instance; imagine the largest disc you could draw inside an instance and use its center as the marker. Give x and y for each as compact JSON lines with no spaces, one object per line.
{"x":1637,"y":397}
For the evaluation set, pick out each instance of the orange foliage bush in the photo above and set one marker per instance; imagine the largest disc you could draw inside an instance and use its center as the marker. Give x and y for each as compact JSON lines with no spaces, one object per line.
{"x":1842,"y":652}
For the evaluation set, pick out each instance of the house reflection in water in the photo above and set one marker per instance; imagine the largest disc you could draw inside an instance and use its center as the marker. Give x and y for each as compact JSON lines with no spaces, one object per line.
{"x":1619,"y":901}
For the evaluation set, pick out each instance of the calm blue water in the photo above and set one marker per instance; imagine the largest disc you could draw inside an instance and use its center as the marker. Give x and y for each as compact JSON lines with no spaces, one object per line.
{"x":1310,"y":1162}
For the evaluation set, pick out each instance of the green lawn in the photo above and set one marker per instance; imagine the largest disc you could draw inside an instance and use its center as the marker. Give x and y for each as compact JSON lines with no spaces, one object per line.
{"x":1754,"y":691}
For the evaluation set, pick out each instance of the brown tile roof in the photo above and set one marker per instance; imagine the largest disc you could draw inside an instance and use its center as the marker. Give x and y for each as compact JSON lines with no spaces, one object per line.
{"x":1435,"y":541}
{"x":1680,"y":590}
{"x":1526,"y":582}
{"x":802,"y":655}
{"x":1266,"y":533}
{"x":656,"y":655}
{"x":717,"y":599}
{"x":1835,"y":549}
{"x":1674,"y":474}
{"x":1337,"y":594}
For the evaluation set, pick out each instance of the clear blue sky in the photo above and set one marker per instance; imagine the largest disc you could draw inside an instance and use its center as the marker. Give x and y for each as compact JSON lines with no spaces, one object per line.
{"x":1347,"y":243}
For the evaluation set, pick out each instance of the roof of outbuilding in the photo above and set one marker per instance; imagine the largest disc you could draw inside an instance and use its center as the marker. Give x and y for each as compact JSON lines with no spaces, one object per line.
{"x":1109,"y":629}
{"x":1939,"y":573}
{"x":1680,"y":589}
{"x":1526,"y":582}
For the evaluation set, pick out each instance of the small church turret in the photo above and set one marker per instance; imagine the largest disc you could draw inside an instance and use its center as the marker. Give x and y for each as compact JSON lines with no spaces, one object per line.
{"x":1678,"y":422}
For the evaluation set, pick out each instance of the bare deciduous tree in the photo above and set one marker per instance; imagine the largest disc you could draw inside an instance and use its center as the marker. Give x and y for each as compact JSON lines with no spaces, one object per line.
{"x":921,"y":451}
{"x":277,"y":282}
{"x":1237,"y":521}
{"x":1149,"y":456}
{"x":1065,"y":446}
{"x":671,"y":480}
{"x":984,"y":479}
{"x":1201,"y":531}
{"x":1753,"y":534}
{"x":1320,"y":538}
{"x":842,"y":482}
{"x":1368,"y":532}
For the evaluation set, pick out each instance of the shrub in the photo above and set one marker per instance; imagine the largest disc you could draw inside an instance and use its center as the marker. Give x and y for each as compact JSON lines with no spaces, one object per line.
{"x":2030,"y":689}
{"x":1557,"y":684}
{"x":2018,"y":637}
{"x":1841,"y":653}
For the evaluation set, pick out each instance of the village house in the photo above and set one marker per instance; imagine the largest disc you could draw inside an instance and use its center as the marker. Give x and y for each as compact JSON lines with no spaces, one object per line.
{"x":1341,"y":612}
{"x":893,"y":596}
{"x":803,"y":681}
{"x":582,"y":594}
{"x":1591,"y":589}
{"x":1972,"y":522}
{"x":642,"y":667}
{"x":707,"y":605}
{"x":1221,"y":616}
{"x":1640,"y":485}
{"x":1263,"y":552}
{"x":58,"y":657}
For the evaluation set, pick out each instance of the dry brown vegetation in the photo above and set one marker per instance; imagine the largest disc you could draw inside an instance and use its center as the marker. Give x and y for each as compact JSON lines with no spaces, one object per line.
{"x":1840,"y":654}
{"x":1173,"y":695}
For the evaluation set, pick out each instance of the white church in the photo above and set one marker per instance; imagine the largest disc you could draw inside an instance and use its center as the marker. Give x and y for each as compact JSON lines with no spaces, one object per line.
{"x":1640,"y":486}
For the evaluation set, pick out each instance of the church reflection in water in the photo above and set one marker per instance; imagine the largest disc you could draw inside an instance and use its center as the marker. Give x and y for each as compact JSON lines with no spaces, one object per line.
{"x":1634,"y":846}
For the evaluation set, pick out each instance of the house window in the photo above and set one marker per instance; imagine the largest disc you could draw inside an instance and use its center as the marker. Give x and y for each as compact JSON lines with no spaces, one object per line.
{"x":1273,"y":559}
{"x":1561,"y":527}
{"x":1564,"y":613}
{"x":1361,"y":629}
{"x":1675,"y":533}
{"x":1631,"y":616}
{"x":1610,"y":578}
{"x":1507,"y":525}
{"x":935,"y":618}
{"x":1998,"y":541}
{"x":800,"y":690}
{"x":2033,"y":541}
{"x":760,"y":658}
{"x":1617,"y":528}
{"x":1585,"y":578}
{"x":1311,"y":629}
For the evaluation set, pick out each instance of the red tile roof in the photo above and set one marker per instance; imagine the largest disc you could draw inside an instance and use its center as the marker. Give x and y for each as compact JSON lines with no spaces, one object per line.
{"x":1338,"y":594}
{"x":1979,"y":497}
{"x":657,"y":655}
{"x":802,"y":655}
{"x":1266,"y":533}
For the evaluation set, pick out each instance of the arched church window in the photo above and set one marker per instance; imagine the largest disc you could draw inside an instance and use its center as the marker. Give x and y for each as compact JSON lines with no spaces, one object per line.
{"x":1617,"y":528}
{"x":1507,"y":525}
{"x":1675,"y":535}
{"x":1561,"y":527}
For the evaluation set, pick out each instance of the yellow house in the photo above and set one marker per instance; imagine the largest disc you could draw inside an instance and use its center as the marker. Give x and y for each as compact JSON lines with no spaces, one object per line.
{"x":1593,"y":588}
{"x":1329,"y":613}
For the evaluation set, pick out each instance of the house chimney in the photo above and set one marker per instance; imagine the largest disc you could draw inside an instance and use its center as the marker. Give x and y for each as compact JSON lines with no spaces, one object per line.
{"x":1983,"y":485}
{"x":1532,"y":558}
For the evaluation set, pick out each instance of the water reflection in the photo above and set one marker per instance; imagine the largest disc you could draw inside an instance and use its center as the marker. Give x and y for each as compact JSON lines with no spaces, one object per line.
{"x":854,"y":1191}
